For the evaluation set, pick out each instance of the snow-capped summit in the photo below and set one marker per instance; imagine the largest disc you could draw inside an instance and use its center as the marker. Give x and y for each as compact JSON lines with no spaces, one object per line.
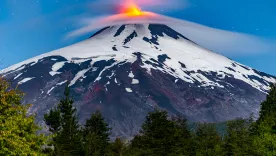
{"x":126,"y":71}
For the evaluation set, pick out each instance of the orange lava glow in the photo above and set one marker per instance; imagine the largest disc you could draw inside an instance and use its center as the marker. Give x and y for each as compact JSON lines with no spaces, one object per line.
{"x":131,"y":9}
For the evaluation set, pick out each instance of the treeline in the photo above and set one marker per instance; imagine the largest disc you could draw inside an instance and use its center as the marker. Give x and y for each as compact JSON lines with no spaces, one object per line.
{"x":160,"y":135}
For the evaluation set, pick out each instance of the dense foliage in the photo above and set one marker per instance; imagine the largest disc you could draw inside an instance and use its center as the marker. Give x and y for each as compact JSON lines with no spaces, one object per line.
{"x":17,"y":129}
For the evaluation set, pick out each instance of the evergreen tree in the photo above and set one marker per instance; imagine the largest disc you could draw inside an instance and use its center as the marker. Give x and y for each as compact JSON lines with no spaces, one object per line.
{"x":96,"y":135}
{"x":207,"y":140}
{"x":92,"y":145}
{"x":159,"y":136}
{"x":63,"y":122}
{"x":137,"y":148}
{"x":238,"y":140}
{"x":53,"y":120}
{"x":117,"y":148}
{"x":187,"y":143}
{"x":265,"y":127}
{"x":17,"y":129}
{"x":264,"y":143}
{"x":268,"y":109}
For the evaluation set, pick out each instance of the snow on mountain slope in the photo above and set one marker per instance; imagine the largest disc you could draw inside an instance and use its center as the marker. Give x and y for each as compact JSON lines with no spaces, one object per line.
{"x":140,"y":38}
{"x":126,"y":71}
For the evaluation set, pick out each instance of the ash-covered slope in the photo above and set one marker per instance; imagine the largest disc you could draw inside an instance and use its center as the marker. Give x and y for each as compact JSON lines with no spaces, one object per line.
{"x":126,"y":71}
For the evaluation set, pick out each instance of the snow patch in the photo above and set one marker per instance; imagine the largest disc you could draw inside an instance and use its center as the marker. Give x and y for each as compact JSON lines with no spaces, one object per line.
{"x":129,"y":90}
{"x":57,"y":66}
{"x":79,"y":75}
{"x":52,"y":73}
{"x":49,"y":91}
{"x":135,"y":81}
{"x":98,"y":78}
{"x":33,"y":63}
{"x":20,"y":68}
{"x":108,"y":67}
{"x":94,"y":69}
{"x":61,"y":83}
{"x":112,"y":74}
{"x":106,"y":85}
{"x":17,"y":76}
{"x":25,"y":80}
{"x":131,"y":75}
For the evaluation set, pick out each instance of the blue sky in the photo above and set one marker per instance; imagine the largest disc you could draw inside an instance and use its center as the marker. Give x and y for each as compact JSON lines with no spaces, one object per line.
{"x":32,"y":27}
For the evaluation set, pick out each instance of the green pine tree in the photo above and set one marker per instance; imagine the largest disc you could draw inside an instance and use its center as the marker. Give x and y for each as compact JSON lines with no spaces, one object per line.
{"x":63,"y":123}
{"x":264,"y":142}
{"x":238,"y":140}
{"x":96,"y":135}
{"x":137,"y":148}
{"x":268,"y":108}
{"x":208,"y":142}
{"x":117,"y":148}
{"x":159,"y":136}
{"x":17,"y":129}
{"x":53,"y":120}
{"x":187,"y":143}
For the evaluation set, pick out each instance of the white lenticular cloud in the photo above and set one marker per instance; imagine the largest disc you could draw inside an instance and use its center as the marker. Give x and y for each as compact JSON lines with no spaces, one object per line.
{"x":221,"y":41}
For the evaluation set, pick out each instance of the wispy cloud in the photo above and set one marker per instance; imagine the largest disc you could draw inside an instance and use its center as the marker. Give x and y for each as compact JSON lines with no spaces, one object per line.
{"x":223,"y":41}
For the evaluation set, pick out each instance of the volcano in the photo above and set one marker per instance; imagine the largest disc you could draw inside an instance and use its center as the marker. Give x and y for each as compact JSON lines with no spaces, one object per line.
{"x":126,"y":71}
